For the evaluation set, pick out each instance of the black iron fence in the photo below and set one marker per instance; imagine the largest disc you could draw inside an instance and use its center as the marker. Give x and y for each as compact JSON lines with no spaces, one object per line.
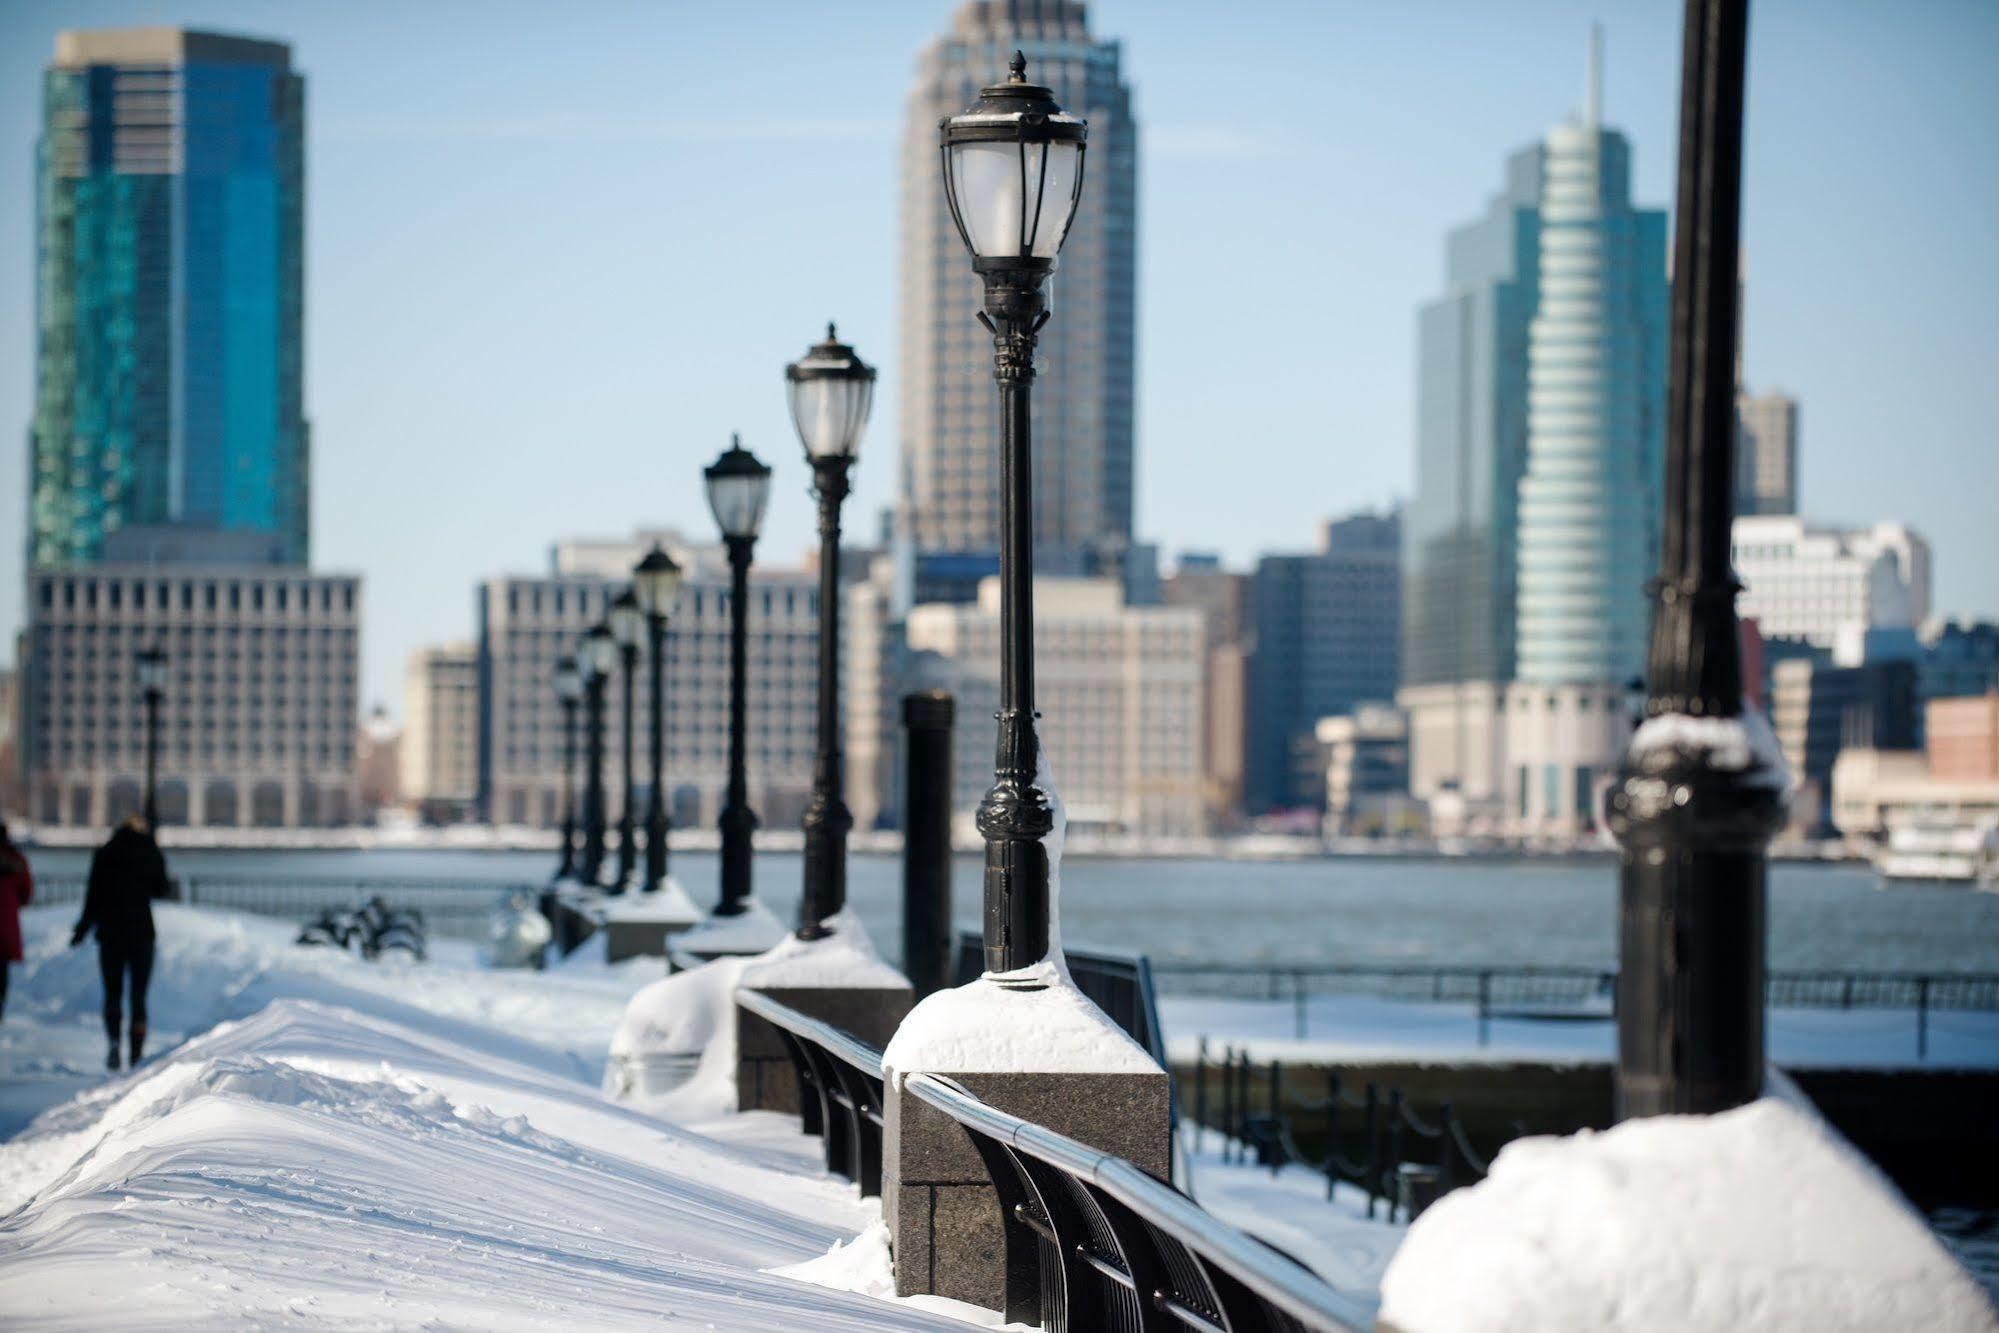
{"x":451,"y":908}
{"x":1561,"y":993}
{"x":1092,"y":1241}
{"x":1375,"y":1140}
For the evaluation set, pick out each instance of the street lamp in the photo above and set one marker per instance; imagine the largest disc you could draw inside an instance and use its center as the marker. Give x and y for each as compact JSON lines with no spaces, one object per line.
{"x":657,"y":580}
{"x":598,"y":656}
{"x":1013,"y":172}
{"x":152,"y":671}
{"x":1692,"y":812}
{"x":628,"y":626}
{"x":831,"y":390}
{"x":569,"y":689}
{"x":738,"y":490}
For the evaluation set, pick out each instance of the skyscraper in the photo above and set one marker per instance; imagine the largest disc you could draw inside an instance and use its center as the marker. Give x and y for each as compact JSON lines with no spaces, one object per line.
{"x":1541,"y":429}
{"x":1460,"y":528}
{"x":1083,"y":400}
{"x":1766,"y":454}
{"x":170,"y":226}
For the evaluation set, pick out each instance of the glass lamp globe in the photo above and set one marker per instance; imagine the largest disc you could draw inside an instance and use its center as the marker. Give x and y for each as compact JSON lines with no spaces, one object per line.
{"x":600,"y":650}
{"x":628,"y":619}
{"x":831,"y":390}
{"x":738,"y":490}
{"x":152,"y":665}
{"x":1013,"y":173}
{"x":568,"y":680}
{"x":657,"y":579}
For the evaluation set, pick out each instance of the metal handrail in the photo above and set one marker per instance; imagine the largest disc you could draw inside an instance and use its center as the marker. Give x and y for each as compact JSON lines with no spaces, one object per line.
{"x":847,"y":1047}
{"x":1269,"y":1275}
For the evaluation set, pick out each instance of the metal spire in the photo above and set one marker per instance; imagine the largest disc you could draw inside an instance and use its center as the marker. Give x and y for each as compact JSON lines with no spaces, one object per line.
{"x":1593,"y":84}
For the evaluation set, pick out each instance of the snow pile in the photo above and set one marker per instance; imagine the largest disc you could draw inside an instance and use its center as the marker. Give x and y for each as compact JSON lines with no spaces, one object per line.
{"x":1743,"y":743}
{"x":413,"y":1155}
{"x":990,"y":1026}
{"x":688,"y":1013}
{"x":844,"y":959}
{"x":1757,"y":1219}
{"x":752,"y":930}
{"x":864,"y":1264}
{"x":668,"y":903}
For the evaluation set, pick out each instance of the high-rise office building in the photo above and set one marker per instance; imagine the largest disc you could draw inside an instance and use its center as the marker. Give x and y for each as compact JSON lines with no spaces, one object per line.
{"x":440,"y":740}
{"x":1083,"y":437}
{"x":1328,"y":626}
{"x":1845,"y":590}
{"x":1541,"y":429}
{"x":1766,"y":454}
{"x":1459,"y":529}
{"x":170,"y":241}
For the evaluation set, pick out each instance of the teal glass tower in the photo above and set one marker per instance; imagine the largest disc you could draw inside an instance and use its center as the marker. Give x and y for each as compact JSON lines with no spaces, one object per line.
{"x":169,"y":293}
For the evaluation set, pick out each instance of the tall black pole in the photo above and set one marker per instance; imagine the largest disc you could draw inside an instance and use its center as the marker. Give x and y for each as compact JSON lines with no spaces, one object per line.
{"x":1015,"y":815}
{"x":926,"y":841}
{"x":593,"y":789}
{"x":1693,"y":818}
{"x":827,"y":819}
{"x":738,"y":821}
{"x":152,"y":758}
{"x":568,"y":867}
{"x":628,"y":658}
{"x":658,"y":826}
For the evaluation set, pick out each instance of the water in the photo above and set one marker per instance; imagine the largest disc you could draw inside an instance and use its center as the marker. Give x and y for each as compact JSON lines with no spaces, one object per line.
{"x":1551,"y":913}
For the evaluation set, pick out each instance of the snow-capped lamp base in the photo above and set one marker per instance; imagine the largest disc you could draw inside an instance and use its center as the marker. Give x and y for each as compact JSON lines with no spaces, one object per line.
{"x":753,"y":930}
{"x":1047,"y":1055}
{"x":837,"y":979}
{"x":636,"y":925}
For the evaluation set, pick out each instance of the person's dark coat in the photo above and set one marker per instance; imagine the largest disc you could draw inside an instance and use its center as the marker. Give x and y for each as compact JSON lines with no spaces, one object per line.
{"x":17,"y":890}
{"x":126,"y":874}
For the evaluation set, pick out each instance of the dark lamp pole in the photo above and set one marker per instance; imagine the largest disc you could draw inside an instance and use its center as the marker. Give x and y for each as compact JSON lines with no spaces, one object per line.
{"x":738,"y":491}
{"x":569,"y":689}
{"x":1013,"y":173}
{"x":598,"y":657}
{"x":152,"y":671}
{"x":657,"y":581}
{"x":831,"y":390}
{"x":628,"y":627}
{"x":1694,"y":834}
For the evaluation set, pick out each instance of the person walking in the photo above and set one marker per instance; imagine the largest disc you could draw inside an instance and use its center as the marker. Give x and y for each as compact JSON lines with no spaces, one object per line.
{"x":17,"y":890}
{"x":126,"y":874}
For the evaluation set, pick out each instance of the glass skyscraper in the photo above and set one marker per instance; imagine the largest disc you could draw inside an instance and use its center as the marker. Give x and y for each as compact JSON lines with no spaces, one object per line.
{"x":1083,"y":418}
{"x":170,"y":245}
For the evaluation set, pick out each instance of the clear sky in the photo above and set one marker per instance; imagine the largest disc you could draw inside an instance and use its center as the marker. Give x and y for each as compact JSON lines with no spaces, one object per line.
{"x":557,"y":252}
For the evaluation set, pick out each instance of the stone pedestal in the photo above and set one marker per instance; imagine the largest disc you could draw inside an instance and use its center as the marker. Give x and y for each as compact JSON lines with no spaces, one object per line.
{"x":637,"y":924}
{"x":943,"y":1216}
{"x":765,"y":1079}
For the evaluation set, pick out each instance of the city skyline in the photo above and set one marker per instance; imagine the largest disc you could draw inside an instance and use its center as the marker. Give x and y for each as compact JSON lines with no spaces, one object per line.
{"x":1249,"y":429}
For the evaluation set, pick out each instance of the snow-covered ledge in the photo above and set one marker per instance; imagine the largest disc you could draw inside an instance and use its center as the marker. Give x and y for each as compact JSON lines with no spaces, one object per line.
{"x":1761,"y":1218}
{"x":838,"y":979}
{"x":638,"y":924}
{"x":1031,"y":1044}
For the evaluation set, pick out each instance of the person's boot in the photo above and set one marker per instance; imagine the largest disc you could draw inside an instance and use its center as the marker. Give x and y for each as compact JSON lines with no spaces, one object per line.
{"x":138,"y":1045}
{"x":111,"y":1060}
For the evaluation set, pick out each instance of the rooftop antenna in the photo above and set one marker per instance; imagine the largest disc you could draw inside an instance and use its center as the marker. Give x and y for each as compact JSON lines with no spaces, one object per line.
{"x":1593,"y":87}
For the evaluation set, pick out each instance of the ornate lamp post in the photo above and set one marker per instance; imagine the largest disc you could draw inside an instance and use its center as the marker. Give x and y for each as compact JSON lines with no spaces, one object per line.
{"x":598,"y":656}
{"x":831,"y":391}
{"x":569,"y":689}
{"x":152,"y":672}
{"x":1698,"y":799}
{"x":1013,"y":173}
{"x":657,"y":580}
{"x":738,"y":490}
{"x":628,"y":626}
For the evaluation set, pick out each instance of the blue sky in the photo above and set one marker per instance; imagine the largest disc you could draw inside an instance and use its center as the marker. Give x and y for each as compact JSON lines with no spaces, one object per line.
{"x":557,"y":252}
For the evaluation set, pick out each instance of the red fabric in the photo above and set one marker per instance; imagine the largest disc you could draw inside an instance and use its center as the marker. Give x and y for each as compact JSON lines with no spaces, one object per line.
{"x":17,"y":890}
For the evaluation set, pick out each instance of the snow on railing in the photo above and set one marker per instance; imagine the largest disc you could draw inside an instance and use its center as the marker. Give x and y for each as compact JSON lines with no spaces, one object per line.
{"x":1092,"y":1241}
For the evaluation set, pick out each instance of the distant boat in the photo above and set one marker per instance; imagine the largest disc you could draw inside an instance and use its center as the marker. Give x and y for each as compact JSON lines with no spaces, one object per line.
{"x":1940,"y":852}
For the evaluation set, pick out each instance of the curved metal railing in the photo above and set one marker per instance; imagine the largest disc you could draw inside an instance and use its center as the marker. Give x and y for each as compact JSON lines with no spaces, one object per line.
{"x":1092,"y":1241}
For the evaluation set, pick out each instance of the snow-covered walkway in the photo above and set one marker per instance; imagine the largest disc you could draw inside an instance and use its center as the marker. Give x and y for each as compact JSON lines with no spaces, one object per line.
{"x":374,"y":1145}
